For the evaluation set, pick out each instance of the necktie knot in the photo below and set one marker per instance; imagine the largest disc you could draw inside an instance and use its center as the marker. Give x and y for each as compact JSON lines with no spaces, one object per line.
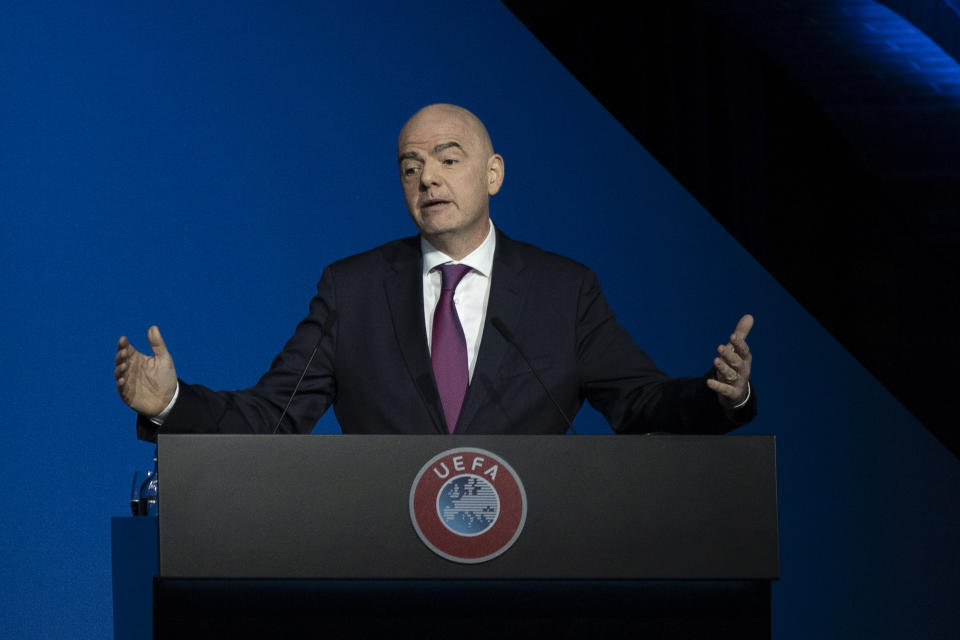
{"x":452,"y":274}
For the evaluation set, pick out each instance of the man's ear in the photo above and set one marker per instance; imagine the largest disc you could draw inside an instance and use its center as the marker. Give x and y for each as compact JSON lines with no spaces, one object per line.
{"x":494,"y":173}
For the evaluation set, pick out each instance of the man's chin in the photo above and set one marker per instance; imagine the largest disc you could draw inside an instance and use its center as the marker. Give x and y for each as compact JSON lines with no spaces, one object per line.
{"x":436,"y":232}
{"x":436,"y":225}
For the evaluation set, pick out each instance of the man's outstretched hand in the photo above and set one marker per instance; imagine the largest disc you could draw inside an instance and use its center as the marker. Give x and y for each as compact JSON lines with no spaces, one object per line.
{"x":145,"y":383}
{"x":733,"y":365}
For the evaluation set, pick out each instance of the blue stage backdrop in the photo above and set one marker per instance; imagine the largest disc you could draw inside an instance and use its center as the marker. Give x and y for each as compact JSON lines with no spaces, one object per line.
{"x":195,"y":165}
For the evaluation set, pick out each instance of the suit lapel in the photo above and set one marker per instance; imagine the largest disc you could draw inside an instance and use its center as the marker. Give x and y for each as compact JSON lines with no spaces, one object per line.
{"x":404,"y":290}
{"x":507,"y":288}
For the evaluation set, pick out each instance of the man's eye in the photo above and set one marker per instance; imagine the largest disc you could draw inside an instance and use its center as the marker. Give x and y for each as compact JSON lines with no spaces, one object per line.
{"x":411,"y":171}
{"x":449,"y":161}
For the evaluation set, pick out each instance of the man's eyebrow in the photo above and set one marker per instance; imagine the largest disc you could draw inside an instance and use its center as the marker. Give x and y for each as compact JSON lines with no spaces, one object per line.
{"x":447,"y":145}
{"x":413,"y":155}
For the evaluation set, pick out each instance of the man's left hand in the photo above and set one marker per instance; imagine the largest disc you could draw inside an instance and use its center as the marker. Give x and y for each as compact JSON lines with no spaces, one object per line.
{"x":732,"y":366}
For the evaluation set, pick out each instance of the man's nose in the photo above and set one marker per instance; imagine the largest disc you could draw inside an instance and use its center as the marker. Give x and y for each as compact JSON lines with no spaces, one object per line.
{"x":430,"y":175}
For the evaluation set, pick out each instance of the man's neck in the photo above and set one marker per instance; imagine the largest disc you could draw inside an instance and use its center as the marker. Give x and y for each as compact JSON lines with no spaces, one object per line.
{"x":480,"y":259}
{"x":459,"y":245}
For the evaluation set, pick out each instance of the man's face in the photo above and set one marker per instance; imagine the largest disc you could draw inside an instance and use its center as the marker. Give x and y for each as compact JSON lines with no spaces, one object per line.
{"x":446,"y":173}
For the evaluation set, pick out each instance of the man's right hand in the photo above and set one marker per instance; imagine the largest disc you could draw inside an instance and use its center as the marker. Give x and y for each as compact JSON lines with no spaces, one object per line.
{"x":146,"y":384}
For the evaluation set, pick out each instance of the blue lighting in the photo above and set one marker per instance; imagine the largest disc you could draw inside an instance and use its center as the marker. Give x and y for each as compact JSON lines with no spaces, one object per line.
{"x":901,"y":53}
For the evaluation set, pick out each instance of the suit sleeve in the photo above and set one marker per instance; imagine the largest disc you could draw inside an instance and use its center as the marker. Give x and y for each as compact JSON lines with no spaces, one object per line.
{"x":621,"y":381}
{"x":257,"y":409}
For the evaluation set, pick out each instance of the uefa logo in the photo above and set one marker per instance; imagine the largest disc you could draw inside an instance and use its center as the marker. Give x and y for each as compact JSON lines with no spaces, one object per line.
{"x":468,"y":505}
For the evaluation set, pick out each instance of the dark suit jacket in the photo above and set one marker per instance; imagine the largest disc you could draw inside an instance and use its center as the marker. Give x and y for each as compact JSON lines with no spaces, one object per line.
{"x":375,"y":366}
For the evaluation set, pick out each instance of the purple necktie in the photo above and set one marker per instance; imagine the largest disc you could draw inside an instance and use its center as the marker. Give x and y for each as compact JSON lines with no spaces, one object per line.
{"x":449,"y":347}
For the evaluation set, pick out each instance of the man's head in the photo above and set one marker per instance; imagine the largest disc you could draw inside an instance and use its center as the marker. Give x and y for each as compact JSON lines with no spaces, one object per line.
{"x":448,"y":171}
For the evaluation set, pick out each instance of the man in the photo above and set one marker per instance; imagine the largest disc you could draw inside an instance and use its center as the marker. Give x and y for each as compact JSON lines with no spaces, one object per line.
{"x":428,"y":331}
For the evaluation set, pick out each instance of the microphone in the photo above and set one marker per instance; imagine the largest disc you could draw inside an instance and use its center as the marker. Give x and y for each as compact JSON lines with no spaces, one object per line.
{"x":502,"y":328}
{"x":324,"y":332}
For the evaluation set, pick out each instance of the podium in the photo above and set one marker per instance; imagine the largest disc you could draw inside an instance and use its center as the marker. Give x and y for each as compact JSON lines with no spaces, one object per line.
{"x":672,"y":536}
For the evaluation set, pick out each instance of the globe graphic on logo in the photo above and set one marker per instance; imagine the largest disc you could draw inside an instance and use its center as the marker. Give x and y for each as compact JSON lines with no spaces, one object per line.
{"x":468,"y":505}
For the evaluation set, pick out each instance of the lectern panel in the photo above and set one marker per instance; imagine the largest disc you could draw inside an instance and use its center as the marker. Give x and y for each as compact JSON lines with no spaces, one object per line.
{"x":597,"y":507}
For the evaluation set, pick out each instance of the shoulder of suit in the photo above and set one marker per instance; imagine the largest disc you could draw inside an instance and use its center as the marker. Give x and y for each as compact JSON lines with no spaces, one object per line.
{"x":396,"y":251}
{"x":532,"y":255}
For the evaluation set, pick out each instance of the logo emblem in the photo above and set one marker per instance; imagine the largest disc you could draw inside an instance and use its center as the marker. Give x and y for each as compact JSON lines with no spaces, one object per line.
{"x":468,"y":505}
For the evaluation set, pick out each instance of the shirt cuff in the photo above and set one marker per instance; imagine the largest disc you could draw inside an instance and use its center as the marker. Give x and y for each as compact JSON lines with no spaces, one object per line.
{"x":160,"y":417}
{"x":736,"y":406}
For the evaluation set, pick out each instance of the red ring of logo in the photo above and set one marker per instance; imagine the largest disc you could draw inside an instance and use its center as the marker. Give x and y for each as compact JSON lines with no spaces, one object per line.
{"x":443,"y":468}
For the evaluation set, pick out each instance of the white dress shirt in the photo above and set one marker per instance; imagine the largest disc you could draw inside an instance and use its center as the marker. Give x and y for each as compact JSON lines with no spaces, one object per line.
{"x":471,"y":296}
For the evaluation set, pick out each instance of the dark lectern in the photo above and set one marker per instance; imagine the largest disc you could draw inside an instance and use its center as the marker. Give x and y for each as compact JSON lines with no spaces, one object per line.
{"x":659,"y":536}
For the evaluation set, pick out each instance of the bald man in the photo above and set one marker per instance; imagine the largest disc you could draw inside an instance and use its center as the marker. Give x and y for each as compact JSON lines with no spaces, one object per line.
{"x":415,"y":336}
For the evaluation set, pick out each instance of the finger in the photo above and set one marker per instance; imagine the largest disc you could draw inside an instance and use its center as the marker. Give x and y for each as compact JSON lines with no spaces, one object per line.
{"x":724,"y":389}
{"x":744,"y":326}
{"x":729,"y":355}
{"x":725,"y":372}
{"x":741,"y":346}
{"x":733,"y":392}
{"x":156,"y":341}
{"x":123,"y":349}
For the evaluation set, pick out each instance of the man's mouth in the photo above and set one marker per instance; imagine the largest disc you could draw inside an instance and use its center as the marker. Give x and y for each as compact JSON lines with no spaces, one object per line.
{"x":433,"y":203}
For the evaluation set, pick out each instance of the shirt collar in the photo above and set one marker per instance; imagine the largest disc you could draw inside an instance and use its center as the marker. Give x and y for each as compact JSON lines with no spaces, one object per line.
{"x":480,"y":259}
